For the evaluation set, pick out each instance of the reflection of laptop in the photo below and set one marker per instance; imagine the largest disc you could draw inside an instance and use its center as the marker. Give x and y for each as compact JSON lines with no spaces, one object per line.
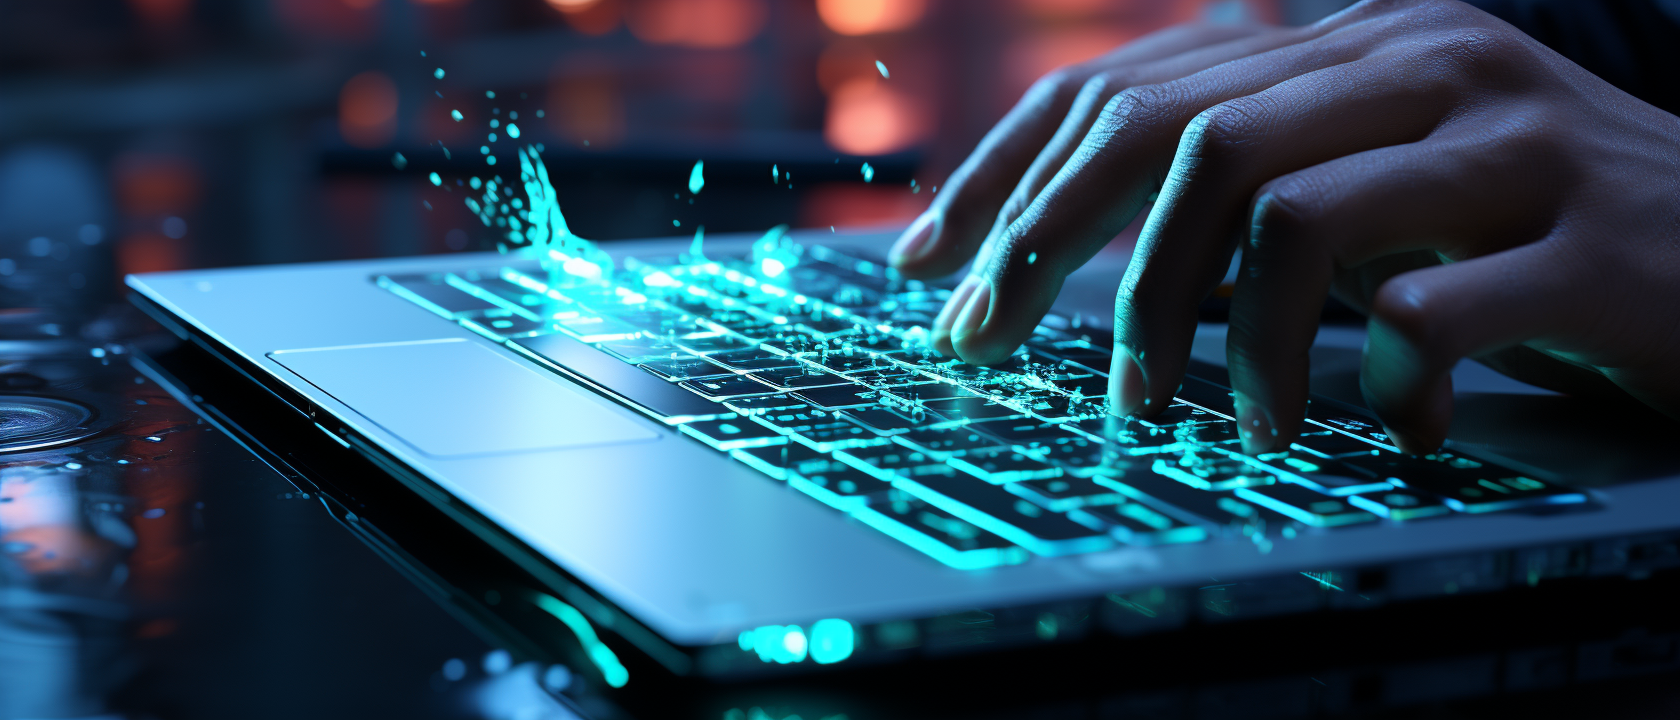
{"x":723,"y":470}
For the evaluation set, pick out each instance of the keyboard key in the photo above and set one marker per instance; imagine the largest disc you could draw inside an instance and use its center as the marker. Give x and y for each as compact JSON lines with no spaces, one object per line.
{"x":972,"y":409}
{"x":1305,"y":505}
{"x":1027,"y":433}
{"x":840,"y":486}
{"x":941,"y":535}
{"x":612,"y":377}
{"x":1332,"y":444}
{"x":1358,"y":427}
{"x":928,"y":391}
{"x":1209,"y":470}
{"x":1180,"y":413}
{"x":999,"y":511}
{"x":683,"y":367}
{"x":1003,"y":465}
{"x":506,"y":326}
{"x":726,"y":386}
{"x":760,"y":404}
{"x":1467,"y":488}
{"x":1400,"y":505}
{"x":706,"y":343}
{"x":732,"y":433}
{"x":1078,"y":456}
{"x":1207,"y":395}
{"x":645,"y":349}
{"x":795,"y":419}
{"x":838,"y":397}
{"x":752,"y":359}
{"x":1065,"y":493}
{"x":1323,"y":474}
{"x":1091,"y":387}
{"x":434,"y":294}
{"x":946,"y":442}
{"x":799,"y":378}
{"x":890,"y":461}
{"x":1216,"y":509}
{"x":778,"y":461}
{"x":1137,"y":524}
{"x":884,"y":421}
{"x":835,"y":435}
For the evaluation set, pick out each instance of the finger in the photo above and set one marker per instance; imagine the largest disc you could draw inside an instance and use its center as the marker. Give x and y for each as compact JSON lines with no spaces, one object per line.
{"x":1307,"y":226}
{"x":1425,"y":321}
{"x":1088,"y":104}
{"x":1118,"y":165}
{"x":945,"y":236}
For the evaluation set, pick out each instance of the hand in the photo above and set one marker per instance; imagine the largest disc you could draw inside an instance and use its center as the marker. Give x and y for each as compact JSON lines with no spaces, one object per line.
{"x":1474,"y":192}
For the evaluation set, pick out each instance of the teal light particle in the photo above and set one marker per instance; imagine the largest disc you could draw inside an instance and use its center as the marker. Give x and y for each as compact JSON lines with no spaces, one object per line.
{"x":494,"y":123}
{"x":676,"y":223}
{"x":832,"y":640}
{"x":1032,"y":258}
{"x":513,"y":131}
{"x":868,"y":173}
{"x":883,"y":68}
{"x":484,"y":149}
{"x":775,"y":174}
{"x":438,"y":73}
{"x":490,"y":94}
{"x":696,"y":179}
{"x":491,"y":160}
{"x":476,"y":183}
{"x":492,"y":137}
{"x":455,"y":114}
{"x":436,"y":180}
{"x":398,"y":161}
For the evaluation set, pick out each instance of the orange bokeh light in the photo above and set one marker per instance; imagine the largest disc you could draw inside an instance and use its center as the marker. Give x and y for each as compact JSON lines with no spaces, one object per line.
{"x":1066,"y":8}
{"x":698,"y":23}
{"x":367,"y":110}
{"x":590,"y":17}
{"x":865,"y":17}
{"x":869,"y":118}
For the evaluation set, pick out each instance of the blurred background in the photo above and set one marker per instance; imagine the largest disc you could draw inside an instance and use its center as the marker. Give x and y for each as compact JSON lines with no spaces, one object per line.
{"x":142,"y":135}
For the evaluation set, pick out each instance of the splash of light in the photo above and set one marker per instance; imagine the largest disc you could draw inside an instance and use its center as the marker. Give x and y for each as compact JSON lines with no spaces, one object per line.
{"x":696,"y":179}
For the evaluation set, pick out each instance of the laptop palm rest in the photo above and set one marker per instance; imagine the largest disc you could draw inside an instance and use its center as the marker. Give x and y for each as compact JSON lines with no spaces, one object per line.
{"x":454,"y":398}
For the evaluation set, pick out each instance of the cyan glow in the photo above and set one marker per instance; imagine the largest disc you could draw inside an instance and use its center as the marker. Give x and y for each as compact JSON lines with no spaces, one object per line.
{"x":832,"y":640}
{"x":612,"y":670}
{"x":696,"y":179}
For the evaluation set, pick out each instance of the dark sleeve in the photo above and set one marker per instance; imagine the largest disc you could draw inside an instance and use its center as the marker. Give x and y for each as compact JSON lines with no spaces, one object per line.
{"x":1632,"y":44}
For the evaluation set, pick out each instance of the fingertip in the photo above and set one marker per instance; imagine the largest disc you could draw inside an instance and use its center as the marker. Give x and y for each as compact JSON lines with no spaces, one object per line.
{"x":967,"y":334}
{"x":915,"y":243}
{"x":940,"y":333}
{"x":1255,"y":426}
{"x":1128,"y":391}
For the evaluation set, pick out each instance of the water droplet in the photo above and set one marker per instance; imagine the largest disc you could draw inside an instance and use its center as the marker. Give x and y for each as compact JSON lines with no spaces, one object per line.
{"x":513,"y":131}
{"x":696,"y":179}
{"x":436,"y":180}
{"x":868,"y":173}
{"x":456,"y":114}
{"x":438,"y":73}
{"x":878,"y":66}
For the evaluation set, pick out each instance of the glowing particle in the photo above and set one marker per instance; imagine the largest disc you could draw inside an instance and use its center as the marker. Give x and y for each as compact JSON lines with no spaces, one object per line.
{"x":540,"y":113}
{"x":878,"y":66}
{"x":868,"y":173}
{"x":696,"y":249}
{"x":676,"y":223}
{"x":775,"y":176}
{"x":1032,"y":258}
{"x":436,"y":180}
{"x":772,"y":267}
{"x":514,"y":115}
{"x":695,"y":179}
{"x":513,"y":131}
{"x":476,"y":183}
{"x":456,"y":114}
{"x":492,"y":137}
{"x":484,"y":149}
{"x":422,"y":53}
{"x":398,"y":161}
{"x":832,"y":641}
{"x":490,"y":94}
{"x":494,"y":123}
{"x":490,"y":160}
{"x":438,"y":73}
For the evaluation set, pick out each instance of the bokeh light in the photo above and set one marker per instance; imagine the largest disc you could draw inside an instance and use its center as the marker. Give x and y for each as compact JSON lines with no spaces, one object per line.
{"x":367,"y":110}
{"x":590,"y":17}
{"x":698,"y":23}
{"x":871,"y":118}
{"x":865,"y":17}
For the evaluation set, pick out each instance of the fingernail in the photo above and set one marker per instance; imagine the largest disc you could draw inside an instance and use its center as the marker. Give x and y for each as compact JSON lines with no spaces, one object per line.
{"x":974,"y":312}
{"x":941,"y":330}
{"x":1129,"y":390}
{"x":1254,"y":427}
{"x":914,"y":243}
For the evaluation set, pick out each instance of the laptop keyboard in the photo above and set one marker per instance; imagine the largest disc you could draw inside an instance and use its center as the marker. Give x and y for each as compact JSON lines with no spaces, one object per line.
{"x":821,"y":378}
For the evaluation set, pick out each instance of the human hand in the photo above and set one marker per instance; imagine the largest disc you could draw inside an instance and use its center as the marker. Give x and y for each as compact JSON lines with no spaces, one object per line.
{"x":1471,"y":190}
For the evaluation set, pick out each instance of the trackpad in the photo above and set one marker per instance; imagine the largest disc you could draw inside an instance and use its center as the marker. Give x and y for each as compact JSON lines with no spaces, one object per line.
{"x":453,"y":397}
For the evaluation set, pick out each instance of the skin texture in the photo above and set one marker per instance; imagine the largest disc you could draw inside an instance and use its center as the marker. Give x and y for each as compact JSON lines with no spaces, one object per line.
{"x":1475,"y":193}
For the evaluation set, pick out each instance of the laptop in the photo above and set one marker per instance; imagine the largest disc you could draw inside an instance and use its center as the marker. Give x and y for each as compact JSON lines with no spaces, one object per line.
{"x":742,"y":464}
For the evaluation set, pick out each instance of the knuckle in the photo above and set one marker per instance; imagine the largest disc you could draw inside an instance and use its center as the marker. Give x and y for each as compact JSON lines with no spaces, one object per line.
{"x":1284,"y":208}
{"x":1226,"y":130}
{"x":1476,"y":52}
{"x":1409,"y":308}
{"x":1139,"y":104}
